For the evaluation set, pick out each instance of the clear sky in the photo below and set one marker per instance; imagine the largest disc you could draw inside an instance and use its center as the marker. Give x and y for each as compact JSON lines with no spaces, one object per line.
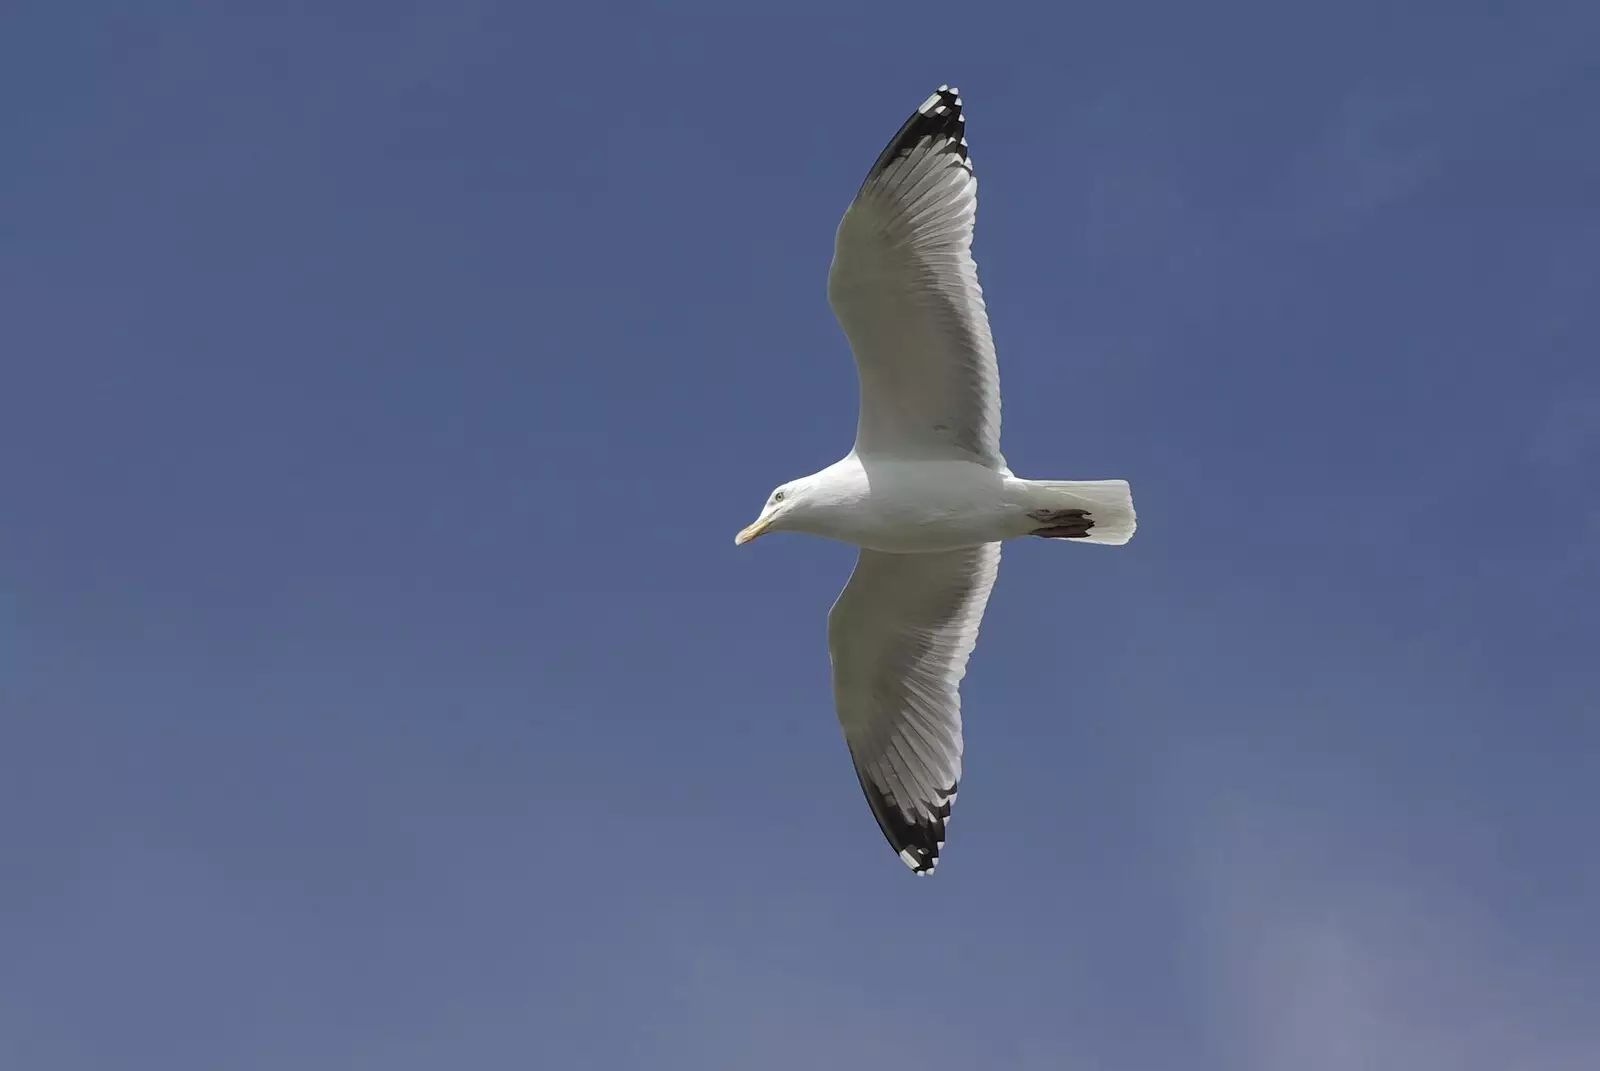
{"x":381,"y":386}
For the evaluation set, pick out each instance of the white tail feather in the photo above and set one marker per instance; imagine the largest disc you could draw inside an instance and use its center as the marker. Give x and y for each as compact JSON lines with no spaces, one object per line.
{"x":1108,"y":503}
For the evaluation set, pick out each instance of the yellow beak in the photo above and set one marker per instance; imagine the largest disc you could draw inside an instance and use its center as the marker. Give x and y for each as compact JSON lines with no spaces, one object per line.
{"x":747,"y":534}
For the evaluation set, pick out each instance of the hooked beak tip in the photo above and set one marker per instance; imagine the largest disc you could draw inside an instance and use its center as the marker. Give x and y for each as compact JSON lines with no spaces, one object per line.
{"x":747,"y":534}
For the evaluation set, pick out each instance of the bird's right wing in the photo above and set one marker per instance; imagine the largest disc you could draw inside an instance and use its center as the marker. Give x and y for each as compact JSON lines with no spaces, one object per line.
{"x":899,"y":637}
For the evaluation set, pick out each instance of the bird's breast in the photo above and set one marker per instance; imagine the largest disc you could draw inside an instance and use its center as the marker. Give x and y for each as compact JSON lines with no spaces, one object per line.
{"x":904,"y":508}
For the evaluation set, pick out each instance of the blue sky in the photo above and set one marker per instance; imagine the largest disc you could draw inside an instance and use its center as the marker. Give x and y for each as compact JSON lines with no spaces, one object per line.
{"x":382,"y":387}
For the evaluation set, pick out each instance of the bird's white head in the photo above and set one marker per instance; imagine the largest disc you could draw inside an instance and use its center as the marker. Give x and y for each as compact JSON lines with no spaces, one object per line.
{"x":782,"y":506}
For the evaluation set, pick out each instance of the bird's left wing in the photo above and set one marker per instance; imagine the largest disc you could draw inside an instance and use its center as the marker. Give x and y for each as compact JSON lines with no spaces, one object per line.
{"x":899,"y":637}
{"x":905,"y":289}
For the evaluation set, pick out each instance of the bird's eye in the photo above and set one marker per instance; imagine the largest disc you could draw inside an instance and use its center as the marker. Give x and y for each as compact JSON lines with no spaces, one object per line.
{"x":777,"y":496}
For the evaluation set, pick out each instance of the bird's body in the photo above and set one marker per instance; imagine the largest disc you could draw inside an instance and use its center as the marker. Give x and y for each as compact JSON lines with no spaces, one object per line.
{"x":925,"y":492}
{"x":907,"y":507}
{"x":911,"y":506}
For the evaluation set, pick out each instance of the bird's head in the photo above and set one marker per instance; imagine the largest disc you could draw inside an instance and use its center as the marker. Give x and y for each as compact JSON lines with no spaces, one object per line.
{"x":782,"y":505}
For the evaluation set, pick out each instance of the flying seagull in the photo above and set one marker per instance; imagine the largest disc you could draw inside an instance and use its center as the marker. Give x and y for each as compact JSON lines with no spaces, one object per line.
{"x":925,"y":492}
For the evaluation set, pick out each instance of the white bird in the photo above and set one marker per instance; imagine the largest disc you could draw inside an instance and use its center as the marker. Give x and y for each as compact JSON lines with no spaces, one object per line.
{"x":925,"y":492}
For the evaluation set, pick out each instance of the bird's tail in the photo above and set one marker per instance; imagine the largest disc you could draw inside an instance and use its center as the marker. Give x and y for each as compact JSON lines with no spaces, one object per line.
{"x":1088,"y":511}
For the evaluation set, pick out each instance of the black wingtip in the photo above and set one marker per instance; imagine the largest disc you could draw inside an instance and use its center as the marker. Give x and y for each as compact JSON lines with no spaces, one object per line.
{"x":938,"y":118}
{"x":917,"y":840}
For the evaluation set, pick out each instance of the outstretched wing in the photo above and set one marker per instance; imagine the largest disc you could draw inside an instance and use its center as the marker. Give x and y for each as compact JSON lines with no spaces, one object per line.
{"x":899,"y":637}
{"x":905,"y":289}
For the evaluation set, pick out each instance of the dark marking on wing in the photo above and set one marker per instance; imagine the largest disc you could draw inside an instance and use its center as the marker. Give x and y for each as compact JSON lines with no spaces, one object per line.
{"x":939,"y":117}
{"x":921,"y":837}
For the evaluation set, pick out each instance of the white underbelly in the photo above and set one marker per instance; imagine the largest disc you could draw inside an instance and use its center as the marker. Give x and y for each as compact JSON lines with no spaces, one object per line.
{"x":933,"y":506}
{"x":934,"y":536}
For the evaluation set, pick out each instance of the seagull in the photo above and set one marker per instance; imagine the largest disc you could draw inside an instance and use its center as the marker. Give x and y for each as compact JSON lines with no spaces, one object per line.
{"x":925,"y":493}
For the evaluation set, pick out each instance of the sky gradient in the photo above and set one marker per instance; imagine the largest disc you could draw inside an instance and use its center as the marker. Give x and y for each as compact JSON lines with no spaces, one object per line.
{"x":381,"y":386}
